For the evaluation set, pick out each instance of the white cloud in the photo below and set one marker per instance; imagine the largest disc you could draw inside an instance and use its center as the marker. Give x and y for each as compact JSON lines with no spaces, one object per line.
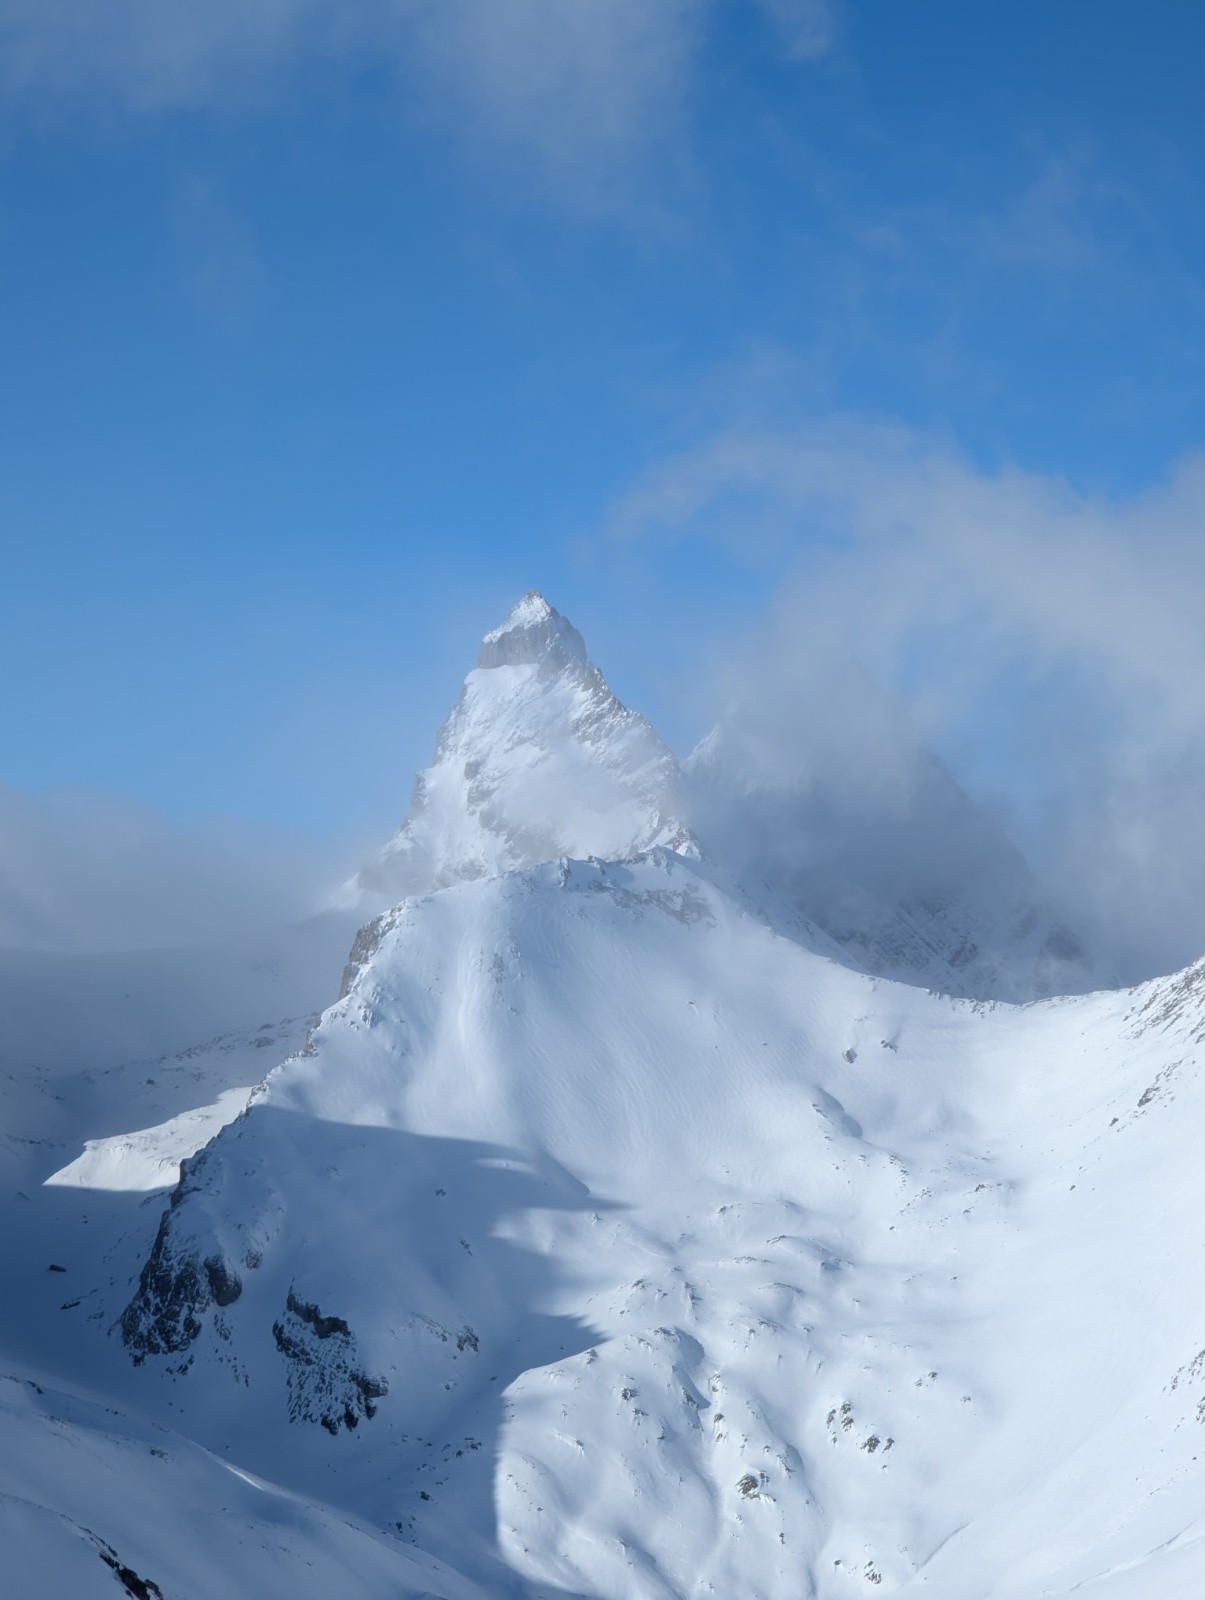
{"x":565,"y":77}
{"x":574,"y":85}
{"x":1053,"y":638}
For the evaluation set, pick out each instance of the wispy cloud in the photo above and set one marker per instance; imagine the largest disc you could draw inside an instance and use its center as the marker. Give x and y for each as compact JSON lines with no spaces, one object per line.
{"x":220,"y":270}
{"x":807,"y":28}
{"x":575,"y":86}
{"x":1060,"y":220}
{"x":1052,"y":638}
{"x":148,"y":54}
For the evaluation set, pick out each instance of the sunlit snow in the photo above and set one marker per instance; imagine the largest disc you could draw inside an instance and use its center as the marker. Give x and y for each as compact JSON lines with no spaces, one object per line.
{"x":610,"y":1237}
{"x":151,"y":1157}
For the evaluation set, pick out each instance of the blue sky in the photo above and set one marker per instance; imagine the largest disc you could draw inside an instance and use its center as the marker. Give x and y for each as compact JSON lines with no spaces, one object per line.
{"x":328,"y":330}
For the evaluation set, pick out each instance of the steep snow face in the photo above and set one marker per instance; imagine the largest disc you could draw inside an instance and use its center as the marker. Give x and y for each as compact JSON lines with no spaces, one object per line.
{"x":609,"y":1244}
{"x":537,"y":760}
{"x":896,"y":865}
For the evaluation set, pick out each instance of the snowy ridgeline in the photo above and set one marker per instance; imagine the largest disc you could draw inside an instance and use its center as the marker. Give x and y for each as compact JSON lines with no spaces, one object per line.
{"x":613,"y":1235}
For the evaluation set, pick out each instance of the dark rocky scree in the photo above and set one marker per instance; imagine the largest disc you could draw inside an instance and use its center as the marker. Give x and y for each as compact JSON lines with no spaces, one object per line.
{"x":140,"y":1588}
{"x":164,"y":1317}
{"x":175,"y":1289}
{"x":324,"y":1384}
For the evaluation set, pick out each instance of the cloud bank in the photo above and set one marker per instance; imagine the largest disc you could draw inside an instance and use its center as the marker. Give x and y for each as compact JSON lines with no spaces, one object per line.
{"x":86,"y":872}
{"x":1047,"y":641}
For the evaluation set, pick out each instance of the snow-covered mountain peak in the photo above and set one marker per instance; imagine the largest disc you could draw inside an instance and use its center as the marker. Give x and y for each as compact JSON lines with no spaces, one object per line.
{"x":535,"y":632}
{"x":537,"y":760}
{"x":885,"y":855}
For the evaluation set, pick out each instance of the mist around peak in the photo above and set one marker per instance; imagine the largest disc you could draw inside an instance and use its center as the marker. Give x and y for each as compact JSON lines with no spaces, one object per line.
{"x":812,"y":793}
{"x":820,"y":797}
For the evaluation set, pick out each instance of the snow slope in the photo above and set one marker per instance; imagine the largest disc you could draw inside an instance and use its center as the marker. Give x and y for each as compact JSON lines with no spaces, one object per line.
{"x":172,"y":1515}
{"x":607,"y":1237}
{"x":613,"y":1245}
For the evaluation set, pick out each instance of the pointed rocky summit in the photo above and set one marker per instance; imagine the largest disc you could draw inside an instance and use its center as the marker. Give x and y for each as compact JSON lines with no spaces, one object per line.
{"x":533,"y":633}
{"x":537,"y":760}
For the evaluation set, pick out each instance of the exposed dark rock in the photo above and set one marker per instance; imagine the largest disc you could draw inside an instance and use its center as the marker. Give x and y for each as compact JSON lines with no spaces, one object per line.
{"x":324,"y":1327}
{"x":140,"y":1588}
{"x":164,"y":1317}
{"x":324,"y":1380}
{"x":225,"y":1285}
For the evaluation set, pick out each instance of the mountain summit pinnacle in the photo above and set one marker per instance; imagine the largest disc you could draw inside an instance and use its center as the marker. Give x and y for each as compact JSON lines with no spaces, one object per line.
{"x":537,"y":760}
{"x":533,"y":632}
